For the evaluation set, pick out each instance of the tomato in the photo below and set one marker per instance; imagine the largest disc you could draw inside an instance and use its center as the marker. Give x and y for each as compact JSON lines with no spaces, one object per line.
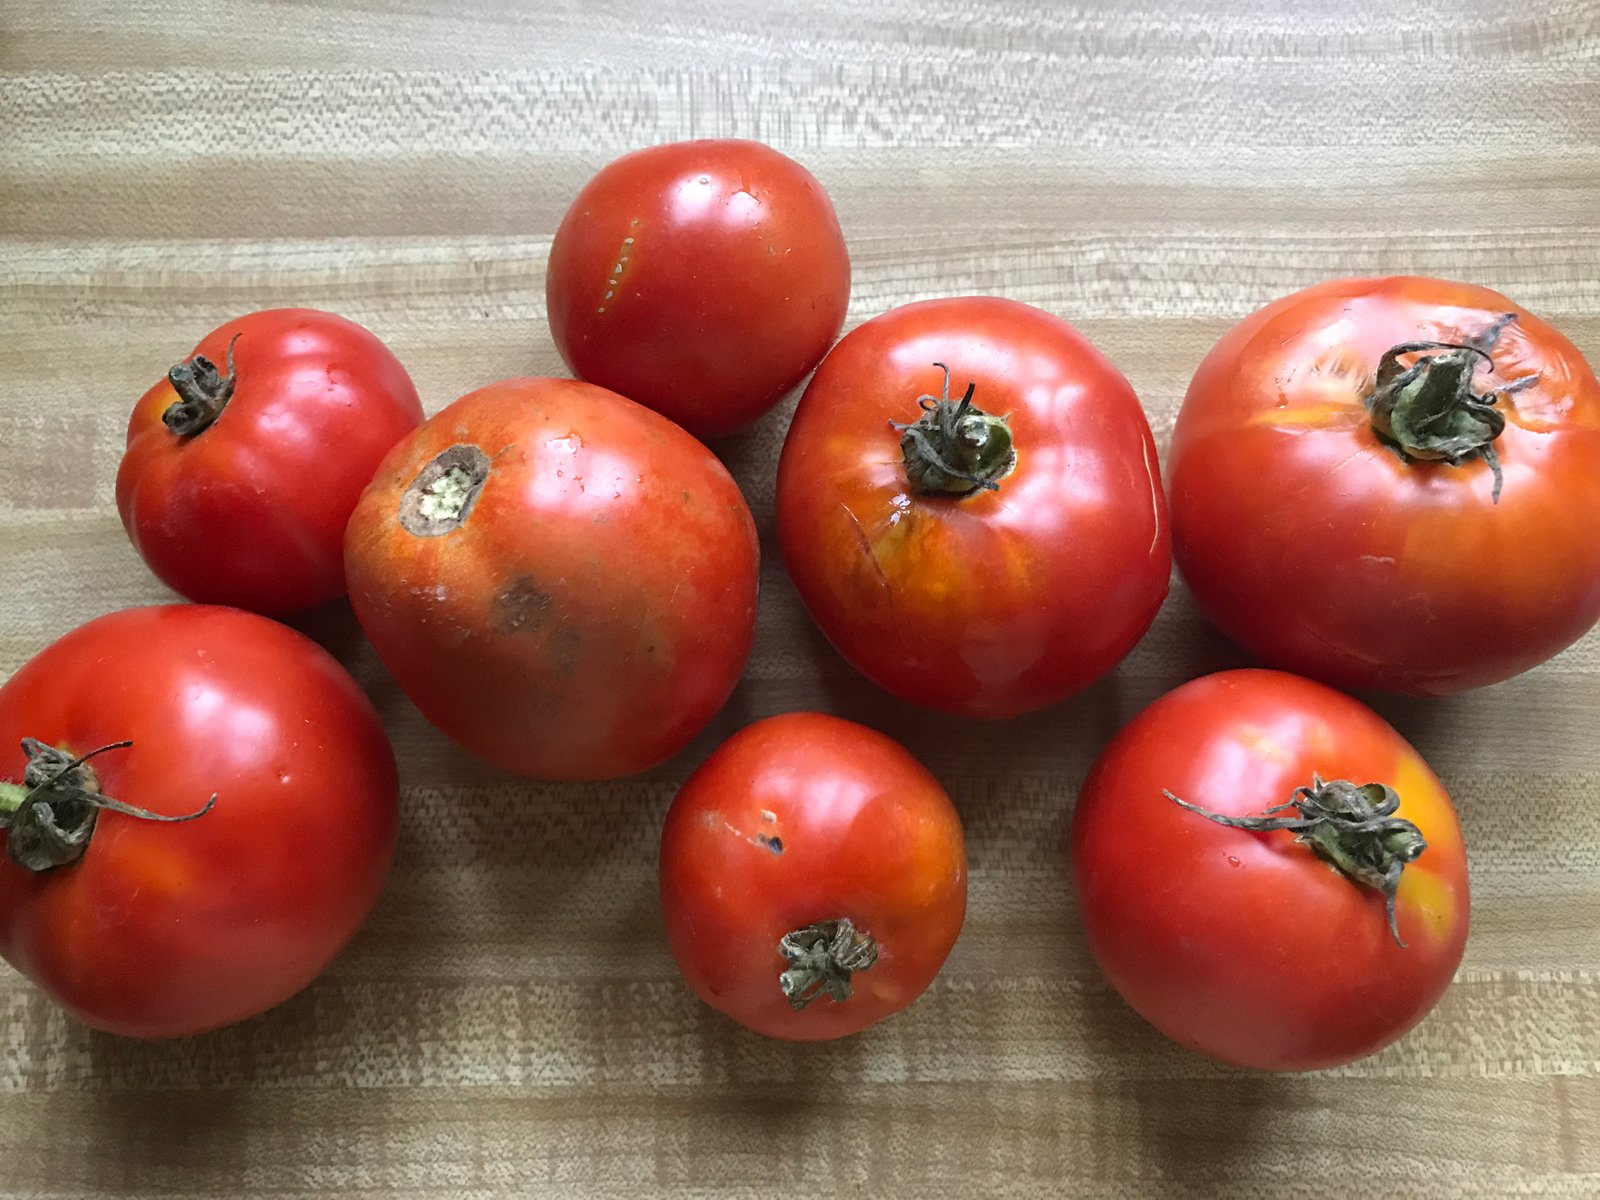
{"x":158,"y":926}
{"x":1251,"y":945}
{"x":1019,"y":571}
{"x":703,"y":279}
{"x":243,"y":464}
{"x":813,"y":877}
{"x":562,"y":581}
{"x":1394,"y":484}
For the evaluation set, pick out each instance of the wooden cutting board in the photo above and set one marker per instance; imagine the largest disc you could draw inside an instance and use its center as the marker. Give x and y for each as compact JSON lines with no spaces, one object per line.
{"x":509,"y":1021}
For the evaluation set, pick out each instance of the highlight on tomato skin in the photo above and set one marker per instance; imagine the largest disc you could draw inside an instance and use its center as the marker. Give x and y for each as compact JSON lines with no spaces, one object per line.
{"x":201,"y":815}
{"x":1269,"y":874}
{"x":1392,"y":484}
{"x":244,"y":462}
{"x":813,"y":877}
{"x":970,"y":506}
{"x":702,"y":279}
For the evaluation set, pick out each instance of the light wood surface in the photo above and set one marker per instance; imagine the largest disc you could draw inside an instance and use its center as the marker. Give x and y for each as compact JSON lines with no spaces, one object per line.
{"x":509,"y":1022}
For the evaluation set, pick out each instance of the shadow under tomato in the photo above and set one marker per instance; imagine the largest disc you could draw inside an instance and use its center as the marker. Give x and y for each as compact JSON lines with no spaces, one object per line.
{"x":164,"y":1142}
{"x":1192,"y":1119}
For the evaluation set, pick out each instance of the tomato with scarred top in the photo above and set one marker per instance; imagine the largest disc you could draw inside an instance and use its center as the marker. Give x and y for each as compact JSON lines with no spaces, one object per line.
{"x":243,"y":464}
{"x":563,"y":582}
{"x":1394,"y":484}
{"x":1269,"y":874}
{"x":813,"y":877}
{"x":970,"y":506}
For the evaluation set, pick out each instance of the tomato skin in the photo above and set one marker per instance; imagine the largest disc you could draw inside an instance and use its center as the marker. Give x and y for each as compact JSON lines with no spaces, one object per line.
{"x":1243,"y":945}
{"x":250,"y":512}
{"x":1317,"y":549}
{"x":866,"y":833}
{"x":595,"y":608}
{"x":999,"y":602}
{"x":702,"y":279}
{"x":163,"y":930}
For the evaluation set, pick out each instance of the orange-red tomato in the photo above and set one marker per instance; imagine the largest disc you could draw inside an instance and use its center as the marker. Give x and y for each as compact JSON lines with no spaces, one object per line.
{"x":813,"y":877}
{"x":162,"y":929}
{"x":1327,"y":547}
{"x":994,"y":587}
{"x":702,"y":279}
{"x":237,"y":490}
{"x":562,"y":581}
{"x":1252,"y":946}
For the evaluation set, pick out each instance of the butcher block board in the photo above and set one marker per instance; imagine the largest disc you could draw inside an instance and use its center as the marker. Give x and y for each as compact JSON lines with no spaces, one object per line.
{"x":509,"y":1022}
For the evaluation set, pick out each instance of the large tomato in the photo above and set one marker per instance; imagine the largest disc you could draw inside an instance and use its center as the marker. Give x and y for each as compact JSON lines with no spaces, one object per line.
{"x":141,"y":922}
{"x":1392,"y":483}
{"x":813,"y":877}
{"x":243,"y":464}
{"x":1269,"y":874}
{"x":702,"y":279}
{"x":969,"y":504}
{"x":564,"y":582}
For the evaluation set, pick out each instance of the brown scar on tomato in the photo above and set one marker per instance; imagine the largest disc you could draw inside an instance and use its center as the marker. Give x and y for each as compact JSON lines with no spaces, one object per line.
{"x":519,"y":606}
{"x":441,"y":497}
{"x":867,"y":550}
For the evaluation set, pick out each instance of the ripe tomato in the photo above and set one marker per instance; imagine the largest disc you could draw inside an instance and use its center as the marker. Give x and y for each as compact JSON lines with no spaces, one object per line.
{"x":167,"y":926}
{"x":1253,"y":946}
{"x":702,"y":279}
{"x":243,"y":464}
{"x":813,"y":877}
{"x":562,"y":581}
{"x":1392,"y":483}
{"x":1019,"y":571}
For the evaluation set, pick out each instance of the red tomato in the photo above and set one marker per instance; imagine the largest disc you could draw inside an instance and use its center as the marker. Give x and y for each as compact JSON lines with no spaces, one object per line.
{"x":702,"y":279}
{"x":162,"y":927}
{"x":564,"y":582}
{"x":1020,"y":571}
{"x":243,"y":464}
{"x":813,"y":877}
{"x":1458,"y":548}
{"x":1253,"y":946}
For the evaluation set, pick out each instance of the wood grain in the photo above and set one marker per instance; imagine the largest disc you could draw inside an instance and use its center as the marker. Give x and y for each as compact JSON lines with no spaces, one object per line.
{"x":509,"y":1022}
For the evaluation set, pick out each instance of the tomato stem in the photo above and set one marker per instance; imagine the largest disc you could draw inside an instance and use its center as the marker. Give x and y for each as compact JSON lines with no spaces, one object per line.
{"x":955,"y":448}
{"x":1354,"y":828}
{"x":203,"y":392}
{"x":49,"y":817}
{"x":1427,"y":408}
{"x":822,"y":958}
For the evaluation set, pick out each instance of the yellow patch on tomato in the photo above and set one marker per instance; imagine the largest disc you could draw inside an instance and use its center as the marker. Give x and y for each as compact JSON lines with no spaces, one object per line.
{"x":1429,"y":901}
{"x":1314,"y":416}
{"x":1426,"y":805}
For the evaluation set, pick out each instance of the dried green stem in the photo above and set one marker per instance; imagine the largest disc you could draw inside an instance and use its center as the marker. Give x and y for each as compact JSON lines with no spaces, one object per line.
{"x":203,"y":392}
{"x":955,"y":448}
{"x":50,"y":816}
{"x":1424,"y":405}
{"x":1353,"y":827}
{"x":822,"y":958}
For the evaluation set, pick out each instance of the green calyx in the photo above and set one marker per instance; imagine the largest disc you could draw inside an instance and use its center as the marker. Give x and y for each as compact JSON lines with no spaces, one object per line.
{"x":1352,"y":827}
{"x":1424,"y":406}
{"x":955,"y":448}
{"x":822,"y":957}
{"x":50,"y":816}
